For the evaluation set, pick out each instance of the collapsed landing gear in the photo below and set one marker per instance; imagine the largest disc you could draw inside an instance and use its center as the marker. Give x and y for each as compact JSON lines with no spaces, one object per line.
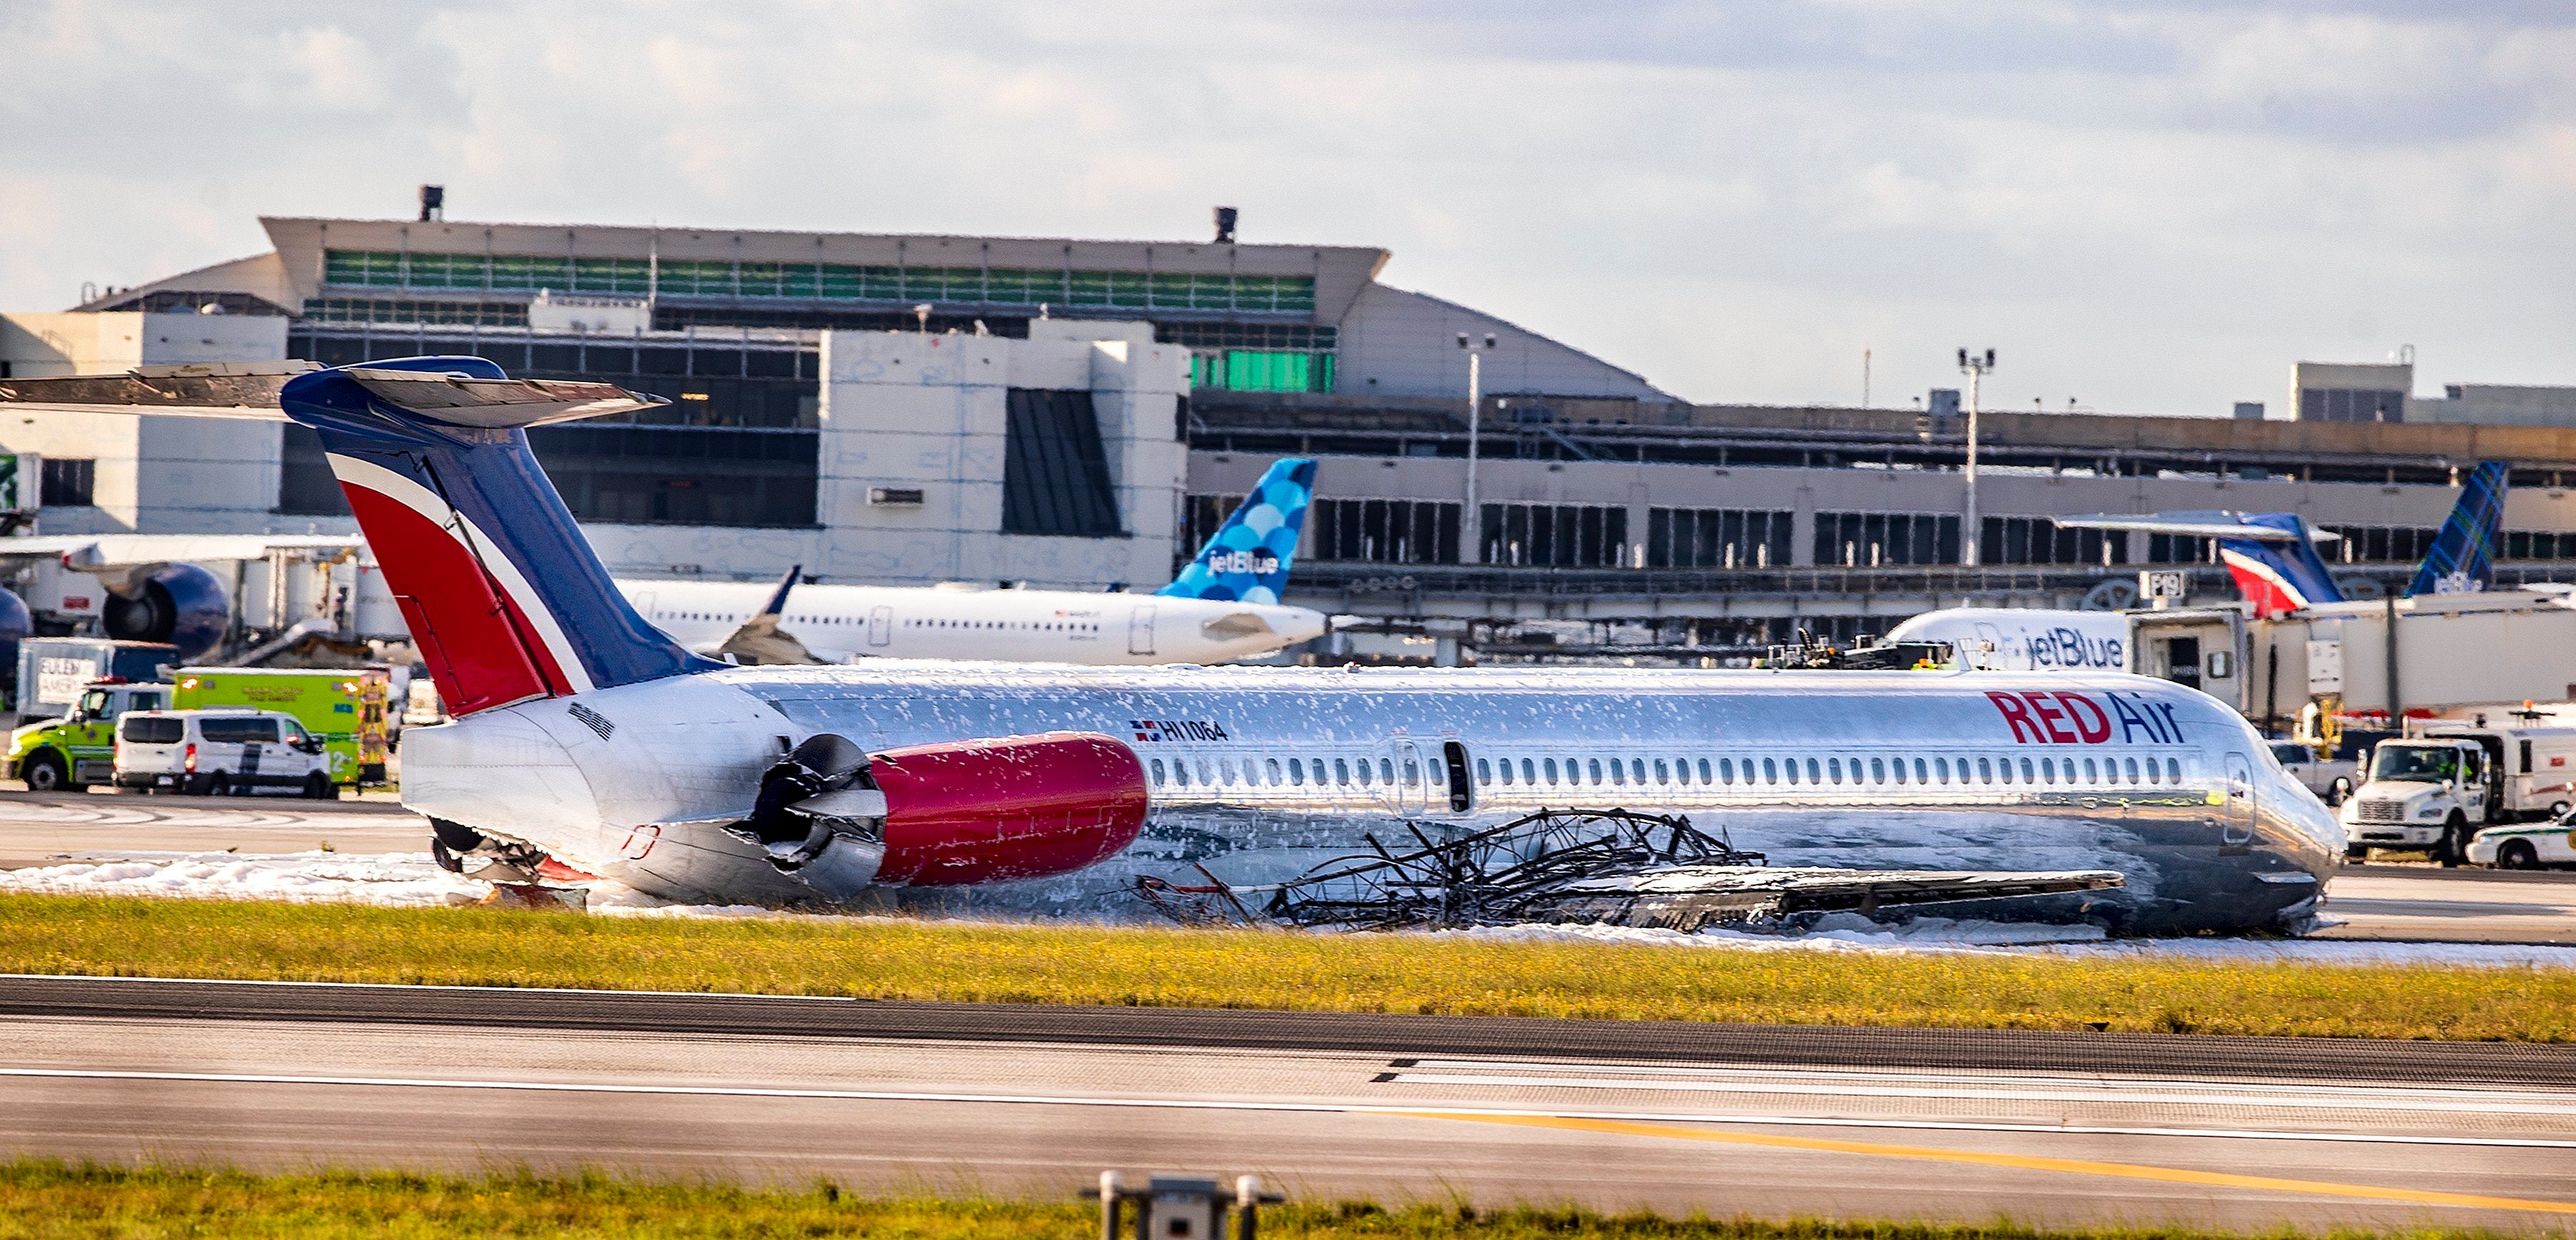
{"x":453,"y":845}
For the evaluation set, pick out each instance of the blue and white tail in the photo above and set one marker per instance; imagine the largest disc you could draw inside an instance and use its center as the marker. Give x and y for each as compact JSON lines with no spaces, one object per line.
{"x":1247,"y":560}
{"x":504,"y":597}
{"x":2278,"y":575}
{"x":2462,"y":559}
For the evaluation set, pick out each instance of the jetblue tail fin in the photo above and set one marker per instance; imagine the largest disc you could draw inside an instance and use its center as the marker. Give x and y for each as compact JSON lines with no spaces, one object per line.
{"x":2278,"y":574}
{"x":2462,"y":560}
{"x":1247,"y":560}
{"x":504,"y":596}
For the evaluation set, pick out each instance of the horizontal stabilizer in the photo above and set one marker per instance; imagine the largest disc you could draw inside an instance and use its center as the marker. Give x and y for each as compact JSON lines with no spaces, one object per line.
{"x":250,"y":391}
{"x":460,"y":399}
{"x":1687,"y":898}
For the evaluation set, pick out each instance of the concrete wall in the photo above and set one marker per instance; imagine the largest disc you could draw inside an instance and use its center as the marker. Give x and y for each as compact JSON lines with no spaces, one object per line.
{"x":153,"y":475}
{"x":2498,"y":405}
{"x":928,"y":413}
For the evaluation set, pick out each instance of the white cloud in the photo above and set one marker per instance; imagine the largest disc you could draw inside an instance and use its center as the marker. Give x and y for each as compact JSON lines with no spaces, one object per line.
{"x":2148,"y":207}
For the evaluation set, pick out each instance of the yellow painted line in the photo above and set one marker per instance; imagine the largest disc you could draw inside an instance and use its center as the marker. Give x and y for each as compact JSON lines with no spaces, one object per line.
{"x":2019,"y":1162}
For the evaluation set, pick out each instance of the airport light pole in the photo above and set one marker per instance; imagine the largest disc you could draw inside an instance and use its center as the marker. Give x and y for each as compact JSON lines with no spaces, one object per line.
{"x":1471,"y":529}
{"x":1972,"y":535}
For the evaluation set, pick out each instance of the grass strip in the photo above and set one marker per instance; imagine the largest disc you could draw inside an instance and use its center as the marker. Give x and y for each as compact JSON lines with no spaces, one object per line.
{"x":45,"y":1198}
{"x":1429,"y":974}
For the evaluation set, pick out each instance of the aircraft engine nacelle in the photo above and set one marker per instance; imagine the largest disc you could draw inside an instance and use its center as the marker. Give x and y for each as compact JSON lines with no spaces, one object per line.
{"x":947,"y":815}
{"x":181,"y":604}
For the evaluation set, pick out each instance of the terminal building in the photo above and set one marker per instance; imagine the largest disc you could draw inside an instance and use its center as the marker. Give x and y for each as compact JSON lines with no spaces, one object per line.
{"x":1077,"y":413}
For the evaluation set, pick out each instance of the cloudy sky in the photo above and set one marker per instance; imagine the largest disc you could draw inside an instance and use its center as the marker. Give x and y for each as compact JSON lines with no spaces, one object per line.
{"x":2144,"y":207}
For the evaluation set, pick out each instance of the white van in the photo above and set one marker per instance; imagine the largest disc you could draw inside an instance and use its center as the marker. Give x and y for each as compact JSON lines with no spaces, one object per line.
{"x":220,"y":753}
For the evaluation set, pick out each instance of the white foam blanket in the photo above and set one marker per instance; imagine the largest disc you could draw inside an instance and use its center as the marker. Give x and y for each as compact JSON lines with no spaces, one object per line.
{"x":411,"y":880}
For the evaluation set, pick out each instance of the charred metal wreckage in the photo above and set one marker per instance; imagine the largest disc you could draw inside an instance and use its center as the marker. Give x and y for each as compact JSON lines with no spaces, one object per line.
{"x":1579,"y":867}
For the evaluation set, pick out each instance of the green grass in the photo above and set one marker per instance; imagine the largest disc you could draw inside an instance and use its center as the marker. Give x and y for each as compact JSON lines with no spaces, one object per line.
{"x":53,"y":1199}
{"x":895,"y":959}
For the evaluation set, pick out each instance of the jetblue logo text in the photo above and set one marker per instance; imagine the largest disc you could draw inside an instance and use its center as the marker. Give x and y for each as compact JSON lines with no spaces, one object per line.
{"x":1149,"y":730}
{"x":2076,"y":718}
{"x":1258,"y":561}
{"x":2068,"y":648}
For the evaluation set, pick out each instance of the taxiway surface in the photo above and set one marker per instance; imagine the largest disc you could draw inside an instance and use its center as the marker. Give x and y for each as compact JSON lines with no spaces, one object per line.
{"x":2051,"y":1128}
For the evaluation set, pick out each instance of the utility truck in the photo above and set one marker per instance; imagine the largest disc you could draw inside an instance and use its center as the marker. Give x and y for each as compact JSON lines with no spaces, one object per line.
{"x":2434,"y":789}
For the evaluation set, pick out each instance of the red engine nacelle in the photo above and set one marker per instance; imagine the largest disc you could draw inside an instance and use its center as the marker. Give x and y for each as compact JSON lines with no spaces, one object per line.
{"x":987,"y":811}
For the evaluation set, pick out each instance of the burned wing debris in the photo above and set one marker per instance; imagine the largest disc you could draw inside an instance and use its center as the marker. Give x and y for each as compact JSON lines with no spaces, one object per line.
{"x":1614,"y":867}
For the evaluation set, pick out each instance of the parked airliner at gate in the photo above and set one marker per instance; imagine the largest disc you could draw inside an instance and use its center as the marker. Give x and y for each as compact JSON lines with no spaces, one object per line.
{"x":585,"y":734}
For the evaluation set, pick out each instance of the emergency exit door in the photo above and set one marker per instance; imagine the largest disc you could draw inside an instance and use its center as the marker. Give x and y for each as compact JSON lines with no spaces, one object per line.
{"x":880,"y":625}
{"x":1140,"y":629}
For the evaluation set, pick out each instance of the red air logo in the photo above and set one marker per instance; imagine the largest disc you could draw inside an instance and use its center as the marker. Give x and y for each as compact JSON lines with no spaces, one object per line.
{"x":2063,"y":718}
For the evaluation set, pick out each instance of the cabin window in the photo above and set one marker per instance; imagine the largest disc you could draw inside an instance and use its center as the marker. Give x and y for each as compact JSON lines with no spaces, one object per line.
{"x":1485,"y":772}
{"x":1385,"y":769}
{"x":2092,"y":774}
{"x":1341,"y":772}
{"x":1412,"y":773}
{"x":1812,"y":772}
{"x":1834,"y":769}
{"x":1596,"y":771}
{"x":1364,"y":773}
{"x":1618,"y":773}
{"x":1158,"y":772}
{"x":1273,"y":764}
{"x":1226,"y":766}
{"x":1296,"y":772}
{"x":2173,"y":771}
{"x":2153,"y":774}
{"x":1663,"y":774}
{"x":1792,"y":764}
{"x":1207,"y":773}
{"x":1770,"y":775}
{"x":1921,"y":773}
{"x":1878,"y":770}
{"x":1551,"y":770}
{"x":1985,"y":771}
{"x":2132,"y":765}
{"x":1529,"y":773}
{"x":1181,"y":772}
{"x":1703,"y":773}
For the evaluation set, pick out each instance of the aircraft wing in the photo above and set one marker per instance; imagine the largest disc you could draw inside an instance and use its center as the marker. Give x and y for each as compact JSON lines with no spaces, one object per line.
{"x":1689,"y":897}
{"x":760,"y":641}
{"x":2190,"y":525}
{"x":97,"y":552}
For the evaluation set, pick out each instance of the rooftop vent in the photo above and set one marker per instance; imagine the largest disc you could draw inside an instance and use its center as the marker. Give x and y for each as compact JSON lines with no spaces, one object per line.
{"x":433,"y":203}
{"x":1225,"y":225}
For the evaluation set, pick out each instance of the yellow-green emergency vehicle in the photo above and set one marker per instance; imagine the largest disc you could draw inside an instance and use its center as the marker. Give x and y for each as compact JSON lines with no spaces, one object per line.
{"x":342,"y":708}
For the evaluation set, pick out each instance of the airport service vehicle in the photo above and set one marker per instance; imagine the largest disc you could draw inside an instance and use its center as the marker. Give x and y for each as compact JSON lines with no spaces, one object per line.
{"x":53,"y":672}
{"x":2332,"y":779}
{"x":344,"y":708}
{"x":2434,"y":790}
{"x":221,"y":752}
{"x":583,"y":733}
{"x":2535,"y":846}
{"x":79,"y":749}
{"x":1224,"y":606}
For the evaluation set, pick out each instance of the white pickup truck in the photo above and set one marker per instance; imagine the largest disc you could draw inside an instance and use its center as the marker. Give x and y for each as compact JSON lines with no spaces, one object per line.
{"x":2332,"y":779}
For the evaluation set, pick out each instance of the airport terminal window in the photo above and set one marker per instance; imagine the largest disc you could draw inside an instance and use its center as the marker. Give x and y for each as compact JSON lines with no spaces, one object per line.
{"x":1055,"y":472}
{"x":66,"y":482}
{"x":1262,"y":370}
{"x":1376,"y":531}
{"x":1719,"y":538}
{"x":730,"y":278}
{"x":2343,"y":405}
{"x":2037,"y":540}
{"x":2539,"y":545}
{"x":1878,"y":539}
{"x":2379,"y":544}
{"x":1555,"y":535}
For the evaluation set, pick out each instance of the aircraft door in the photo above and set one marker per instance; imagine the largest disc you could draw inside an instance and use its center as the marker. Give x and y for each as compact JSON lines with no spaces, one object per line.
{"x":2238,"y":829}
{"x":1140,"y":629}
{"x":880,"y":625}
{"x":1462,"y":790}
{"x":1411,"y":786}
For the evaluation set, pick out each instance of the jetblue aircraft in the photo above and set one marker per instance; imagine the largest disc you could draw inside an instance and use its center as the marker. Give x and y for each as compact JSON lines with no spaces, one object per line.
{"x":585,"y":735}
{"x":1224,"y":606}
{"x":2271,"y":555}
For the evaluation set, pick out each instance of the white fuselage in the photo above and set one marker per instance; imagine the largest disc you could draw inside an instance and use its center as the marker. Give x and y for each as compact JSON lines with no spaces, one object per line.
{"x":1258,"y":773}
{"x":2012,"y":639}
{"x":840,"y":623}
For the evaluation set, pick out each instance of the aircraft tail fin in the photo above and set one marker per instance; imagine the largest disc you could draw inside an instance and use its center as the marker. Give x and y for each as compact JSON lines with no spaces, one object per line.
{"x":2462,"y":558}
{"x":1247,"y":559}
{"x":2276,"y":574}
{"x":504,"y":596}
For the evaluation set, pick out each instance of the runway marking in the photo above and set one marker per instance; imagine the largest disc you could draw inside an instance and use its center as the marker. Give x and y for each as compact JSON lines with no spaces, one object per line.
{"x":1307,"y":1108}
{"x":2063,"y":1080}
{"x":2023,"y":1162}
{"x":2482,"y":1104}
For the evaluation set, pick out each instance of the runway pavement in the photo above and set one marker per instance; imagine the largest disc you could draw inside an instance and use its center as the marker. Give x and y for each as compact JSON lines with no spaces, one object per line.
{"x":1912,"y":1124}
{"x":2427,"y":902}
{"x":53,"y":828}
